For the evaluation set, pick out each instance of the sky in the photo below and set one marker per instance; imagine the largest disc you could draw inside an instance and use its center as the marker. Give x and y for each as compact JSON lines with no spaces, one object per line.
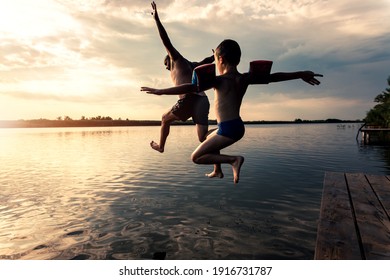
{"x":89,"y":58}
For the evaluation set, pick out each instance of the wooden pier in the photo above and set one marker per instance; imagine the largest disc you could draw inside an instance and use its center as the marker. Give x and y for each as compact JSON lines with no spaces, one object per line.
{"x":374,"y":134}
{"x":354,"y":217}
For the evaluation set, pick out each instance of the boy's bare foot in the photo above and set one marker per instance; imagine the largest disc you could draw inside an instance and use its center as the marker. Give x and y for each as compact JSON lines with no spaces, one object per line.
{"x":236,"y":166}
{"x":156,"y":147}
{"x":215,"y":174}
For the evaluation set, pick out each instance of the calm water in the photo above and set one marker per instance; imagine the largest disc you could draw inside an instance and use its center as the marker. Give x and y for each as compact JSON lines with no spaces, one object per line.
{"x":103,"y":193}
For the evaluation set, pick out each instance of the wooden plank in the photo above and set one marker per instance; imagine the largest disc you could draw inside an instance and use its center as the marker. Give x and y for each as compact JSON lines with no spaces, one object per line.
{"x":381,"y":187}
{"x":336,"y":235}
{"x":372,"y":221}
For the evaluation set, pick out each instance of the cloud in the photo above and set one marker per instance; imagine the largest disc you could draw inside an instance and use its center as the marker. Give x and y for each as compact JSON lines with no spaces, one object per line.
{"x":99,"y":51}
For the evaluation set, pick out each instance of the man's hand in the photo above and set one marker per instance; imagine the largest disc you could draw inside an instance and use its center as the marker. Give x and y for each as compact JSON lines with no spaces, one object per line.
{"x":154,"y":12}
{"x":308,"y":77}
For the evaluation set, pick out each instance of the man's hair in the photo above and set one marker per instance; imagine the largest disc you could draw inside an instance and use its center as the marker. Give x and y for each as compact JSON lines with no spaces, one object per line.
{"x":230,"y":51}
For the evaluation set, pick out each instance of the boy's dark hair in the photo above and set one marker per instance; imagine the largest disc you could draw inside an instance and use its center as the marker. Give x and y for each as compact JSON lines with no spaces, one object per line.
{"x":230,"y":51}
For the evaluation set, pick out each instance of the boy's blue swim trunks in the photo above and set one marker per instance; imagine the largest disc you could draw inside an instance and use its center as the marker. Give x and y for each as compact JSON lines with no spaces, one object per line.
{"x":233,"y":129}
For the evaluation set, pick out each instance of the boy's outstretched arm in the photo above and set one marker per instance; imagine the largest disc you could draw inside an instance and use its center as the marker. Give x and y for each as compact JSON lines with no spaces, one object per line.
{"x":307,"y":76}
{"x":172,"y":52}
{"x":177,"y":90}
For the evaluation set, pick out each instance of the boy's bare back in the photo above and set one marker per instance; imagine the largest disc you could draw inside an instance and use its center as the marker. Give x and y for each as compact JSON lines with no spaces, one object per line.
{"x":229,"y":91}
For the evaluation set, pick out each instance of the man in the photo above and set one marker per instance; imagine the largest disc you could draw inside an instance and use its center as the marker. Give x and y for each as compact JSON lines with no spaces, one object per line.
{"x":189,"y":105}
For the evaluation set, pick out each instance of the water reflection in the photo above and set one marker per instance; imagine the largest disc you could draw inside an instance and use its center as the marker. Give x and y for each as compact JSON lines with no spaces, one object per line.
{"x":104,"y":194}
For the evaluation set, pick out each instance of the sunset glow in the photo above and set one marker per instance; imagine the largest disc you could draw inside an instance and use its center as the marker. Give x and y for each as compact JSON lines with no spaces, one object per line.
{"x":66,"y":58}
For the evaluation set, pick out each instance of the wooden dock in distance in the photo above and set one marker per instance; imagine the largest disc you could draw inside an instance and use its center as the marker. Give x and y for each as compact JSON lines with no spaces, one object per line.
{"x":373,"y":134}
{"x":354,"y":217}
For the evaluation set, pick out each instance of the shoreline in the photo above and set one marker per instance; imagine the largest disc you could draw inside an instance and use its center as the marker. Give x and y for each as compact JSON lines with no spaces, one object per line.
{"x":42,"y":123}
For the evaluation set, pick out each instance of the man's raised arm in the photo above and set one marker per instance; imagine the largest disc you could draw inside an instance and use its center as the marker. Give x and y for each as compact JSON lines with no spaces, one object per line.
{"x":172,"y":52}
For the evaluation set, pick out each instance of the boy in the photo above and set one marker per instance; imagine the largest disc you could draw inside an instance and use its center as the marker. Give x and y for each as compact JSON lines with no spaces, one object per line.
{"x":229,"y":88}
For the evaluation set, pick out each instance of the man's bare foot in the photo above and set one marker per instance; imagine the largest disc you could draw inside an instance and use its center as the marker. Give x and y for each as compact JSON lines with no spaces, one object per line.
{"x":215,"y":174}
{"x":236,"y":166}
{"x":156,"y":147}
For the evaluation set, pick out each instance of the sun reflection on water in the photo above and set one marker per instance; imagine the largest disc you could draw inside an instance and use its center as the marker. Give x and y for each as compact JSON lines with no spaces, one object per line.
{"x":103,"y":193}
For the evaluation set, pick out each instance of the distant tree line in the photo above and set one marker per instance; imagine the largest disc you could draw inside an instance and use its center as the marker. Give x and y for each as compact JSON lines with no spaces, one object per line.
{"x":324,"y":121}
{"x":83,"y":118}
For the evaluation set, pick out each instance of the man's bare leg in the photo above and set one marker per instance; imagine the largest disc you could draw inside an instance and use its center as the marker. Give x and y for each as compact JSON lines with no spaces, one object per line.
{"x":166,"y":121}
{"x":156,"y":147}
{"x":164,"y":132}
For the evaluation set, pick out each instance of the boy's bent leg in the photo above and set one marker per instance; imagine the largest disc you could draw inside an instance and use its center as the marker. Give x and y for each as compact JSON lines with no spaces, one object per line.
{"x":203,"y":133}
{"x":207,"y":153}
{"x":236,"y":166}
{"x":217,"y":172}
{"x":166,"y":121}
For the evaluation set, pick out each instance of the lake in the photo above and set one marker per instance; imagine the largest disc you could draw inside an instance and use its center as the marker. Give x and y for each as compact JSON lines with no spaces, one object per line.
{"x":103,"y":193}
